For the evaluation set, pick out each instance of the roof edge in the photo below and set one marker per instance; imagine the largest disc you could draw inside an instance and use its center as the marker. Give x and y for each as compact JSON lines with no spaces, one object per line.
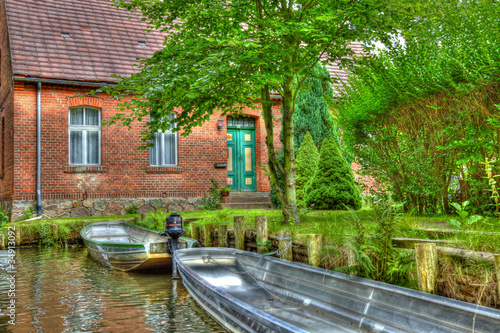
{"x":56,"y":81}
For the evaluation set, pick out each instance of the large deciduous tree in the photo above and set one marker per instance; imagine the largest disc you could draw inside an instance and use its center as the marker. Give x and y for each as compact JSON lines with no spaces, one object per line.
{"x":225,"y":55}
{"x":420,"y":113}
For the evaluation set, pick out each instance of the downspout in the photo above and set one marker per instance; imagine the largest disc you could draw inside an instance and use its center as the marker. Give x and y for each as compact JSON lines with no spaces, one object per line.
{"x":38,"y":147}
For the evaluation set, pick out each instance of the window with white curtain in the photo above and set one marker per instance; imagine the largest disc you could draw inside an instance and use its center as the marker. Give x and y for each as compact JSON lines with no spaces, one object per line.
{"x":164,"y":152}
{"x":84,"y":136}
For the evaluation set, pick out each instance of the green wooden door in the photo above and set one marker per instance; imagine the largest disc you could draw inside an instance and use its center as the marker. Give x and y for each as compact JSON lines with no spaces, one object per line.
{"x":241,"y":163}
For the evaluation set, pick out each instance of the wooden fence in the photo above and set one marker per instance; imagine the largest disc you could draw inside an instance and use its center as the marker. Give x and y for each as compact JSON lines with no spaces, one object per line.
{"x":310,"y":250}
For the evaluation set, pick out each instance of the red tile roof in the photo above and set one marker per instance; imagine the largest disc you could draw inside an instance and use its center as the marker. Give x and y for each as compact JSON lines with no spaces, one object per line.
{"x":336,"y":72}
{"x":103,"y":40}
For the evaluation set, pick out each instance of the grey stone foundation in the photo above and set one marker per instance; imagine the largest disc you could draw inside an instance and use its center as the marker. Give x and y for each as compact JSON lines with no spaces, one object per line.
{"x":104,"y":207}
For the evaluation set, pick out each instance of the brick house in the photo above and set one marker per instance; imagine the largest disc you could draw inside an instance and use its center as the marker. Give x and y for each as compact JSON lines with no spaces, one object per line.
{"x":53,"y":52}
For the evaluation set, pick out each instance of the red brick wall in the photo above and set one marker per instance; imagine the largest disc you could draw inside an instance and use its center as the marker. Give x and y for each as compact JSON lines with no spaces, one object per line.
{"x":6,"y":113}
{"x":126,"y":171}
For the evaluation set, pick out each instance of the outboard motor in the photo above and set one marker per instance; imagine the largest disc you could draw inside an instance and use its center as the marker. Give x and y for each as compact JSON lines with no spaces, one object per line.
{"x":173,"y":229}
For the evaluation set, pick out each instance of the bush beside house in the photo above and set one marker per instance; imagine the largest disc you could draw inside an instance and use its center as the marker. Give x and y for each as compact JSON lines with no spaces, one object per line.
{"x":332,"y":186}
{"x":307,"y":162}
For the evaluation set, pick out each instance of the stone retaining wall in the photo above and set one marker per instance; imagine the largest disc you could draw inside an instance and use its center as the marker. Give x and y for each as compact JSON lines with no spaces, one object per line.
{"x":104,"y":207}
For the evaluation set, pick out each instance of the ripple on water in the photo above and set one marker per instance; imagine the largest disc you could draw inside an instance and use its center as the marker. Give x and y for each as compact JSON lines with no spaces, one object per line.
{"x":65,"y":290}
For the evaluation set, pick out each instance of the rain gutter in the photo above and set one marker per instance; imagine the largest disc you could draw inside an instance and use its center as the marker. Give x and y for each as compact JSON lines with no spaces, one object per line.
{"x":55,"y":81}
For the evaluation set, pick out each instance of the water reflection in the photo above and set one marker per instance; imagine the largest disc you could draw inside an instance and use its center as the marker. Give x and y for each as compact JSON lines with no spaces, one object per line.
{"x":67,"y":291}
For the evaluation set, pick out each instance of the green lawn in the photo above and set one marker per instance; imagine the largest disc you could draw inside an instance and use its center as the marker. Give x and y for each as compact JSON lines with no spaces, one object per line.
{"x":337,"y":226}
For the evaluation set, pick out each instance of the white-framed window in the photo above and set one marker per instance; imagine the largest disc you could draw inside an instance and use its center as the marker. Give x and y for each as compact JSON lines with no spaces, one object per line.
{"x":164,"y":152}
{"x":84,"y":136}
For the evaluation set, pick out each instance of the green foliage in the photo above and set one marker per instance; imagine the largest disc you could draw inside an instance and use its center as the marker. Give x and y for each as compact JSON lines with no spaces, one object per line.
{"x":332,"y":186}
{"x":211,"y":200}
{"x":312,"y":116}
{"x":63,"y":234}
{"x":312,"y":113}
{"x":223,"y":216}
{"x":492,"y":183}
{"x":219,"y":54}
{"x":307,"y":162}
{"x":44,"y":231}
{"x":29,"y":212}
{"x":375,"y":256}
{"x":158,"y":218}
{"x":132,"y":209}
{"x":4,"y":217}
{"x":465,"y":219}
{"x":420,"y":112}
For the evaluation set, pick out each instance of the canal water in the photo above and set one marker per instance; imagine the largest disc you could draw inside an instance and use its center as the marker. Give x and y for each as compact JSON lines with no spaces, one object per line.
{"x":65,"y":290}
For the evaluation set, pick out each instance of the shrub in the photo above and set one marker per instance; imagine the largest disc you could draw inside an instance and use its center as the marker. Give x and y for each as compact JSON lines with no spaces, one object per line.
{"x":211,"y":200}
{"x":29,"y":212}
{"x":307,"y":162}
{"x":132,"y":209}
{"x":332,"y":186}
{"x":4,"y":217}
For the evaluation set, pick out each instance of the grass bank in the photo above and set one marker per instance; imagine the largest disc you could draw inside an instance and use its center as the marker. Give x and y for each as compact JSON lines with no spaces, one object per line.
{"x":459,"y":278}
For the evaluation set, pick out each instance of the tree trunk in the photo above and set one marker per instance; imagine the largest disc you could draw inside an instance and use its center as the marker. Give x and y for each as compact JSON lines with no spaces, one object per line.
{"x":289,"y":203}
{"x":287,"y":170}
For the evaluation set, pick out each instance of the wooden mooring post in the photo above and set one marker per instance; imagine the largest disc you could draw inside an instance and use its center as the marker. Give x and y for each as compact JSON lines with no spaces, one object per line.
{"x":195,"y":231}
{"x":427,"y":267}
{"x":262,"y":233}
{"x":18,"y":236}
{"x":283,"y":243}
{"x":239,"y":232}
{"x":222,"y":235}
{"x":2,"y":242}
{"x":55,"y":231}
{"x":497,"y":269}
{"x":314,"y":245}
{"x":208,"y":229}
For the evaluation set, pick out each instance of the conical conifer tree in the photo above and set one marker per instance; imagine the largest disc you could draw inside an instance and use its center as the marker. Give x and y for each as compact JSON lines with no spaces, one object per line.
{"x":311,"y":110}
{"x":306,"y":164}
{"x":332,"y":186}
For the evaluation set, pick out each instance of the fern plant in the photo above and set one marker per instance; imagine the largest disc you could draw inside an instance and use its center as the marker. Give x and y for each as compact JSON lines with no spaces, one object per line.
{"x":374,"y":254}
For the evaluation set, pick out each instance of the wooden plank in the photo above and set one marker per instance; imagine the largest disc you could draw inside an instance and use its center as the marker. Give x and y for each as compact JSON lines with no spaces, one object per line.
{"x":427,"y":266}
{"x":443,"y":232}
{"x":409,"y":243}
{"x":467,"y":254}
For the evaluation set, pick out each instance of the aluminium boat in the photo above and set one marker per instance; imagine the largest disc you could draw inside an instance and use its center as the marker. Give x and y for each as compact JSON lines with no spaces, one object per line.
{"x":249,"y":292}
{"x":127,"y":247}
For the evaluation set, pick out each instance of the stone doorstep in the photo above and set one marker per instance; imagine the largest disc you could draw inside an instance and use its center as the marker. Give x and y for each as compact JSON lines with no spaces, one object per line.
{"x":245,"y":205}
{"x":249,"y":194}
{"x":245,"y":199}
